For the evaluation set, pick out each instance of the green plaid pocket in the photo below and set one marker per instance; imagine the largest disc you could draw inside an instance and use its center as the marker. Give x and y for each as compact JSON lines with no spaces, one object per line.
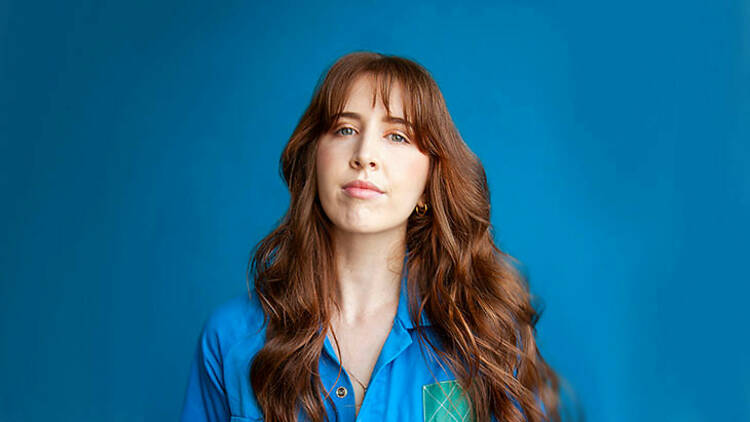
{"x":446,"y":401}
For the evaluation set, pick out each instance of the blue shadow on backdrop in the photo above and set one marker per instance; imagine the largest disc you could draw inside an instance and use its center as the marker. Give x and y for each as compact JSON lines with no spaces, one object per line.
{"x":139,"y":149}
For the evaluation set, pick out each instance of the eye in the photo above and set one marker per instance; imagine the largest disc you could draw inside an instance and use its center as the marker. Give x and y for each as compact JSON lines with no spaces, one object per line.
{"x":399,"y":138}
{"x":345,"y":128}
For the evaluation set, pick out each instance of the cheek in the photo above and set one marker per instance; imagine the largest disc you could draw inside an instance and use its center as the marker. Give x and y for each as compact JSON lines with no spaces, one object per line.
{"x":419,"y":168}
{"x":328,"y":168}
{"x":412,"y":174}
{"x":323,"y":163}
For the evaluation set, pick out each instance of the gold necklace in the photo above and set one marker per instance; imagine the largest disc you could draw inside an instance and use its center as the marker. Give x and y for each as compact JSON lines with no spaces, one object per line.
{"x":364,"y":387}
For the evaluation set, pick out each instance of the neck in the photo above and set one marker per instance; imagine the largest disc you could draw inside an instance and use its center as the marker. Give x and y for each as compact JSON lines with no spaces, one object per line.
{"x":369,"y":273}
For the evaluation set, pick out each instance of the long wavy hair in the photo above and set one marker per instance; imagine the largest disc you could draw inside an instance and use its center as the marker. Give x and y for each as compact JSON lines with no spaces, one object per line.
{"x":478,"y":302}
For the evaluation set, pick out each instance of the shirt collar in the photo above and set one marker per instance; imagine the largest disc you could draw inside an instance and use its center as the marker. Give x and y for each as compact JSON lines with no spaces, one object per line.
{"x":402,"y":312}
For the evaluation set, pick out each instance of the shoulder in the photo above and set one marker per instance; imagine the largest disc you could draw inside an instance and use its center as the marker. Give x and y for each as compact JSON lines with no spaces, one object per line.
{"x":233,"y":321}
{"x":232,"y":334}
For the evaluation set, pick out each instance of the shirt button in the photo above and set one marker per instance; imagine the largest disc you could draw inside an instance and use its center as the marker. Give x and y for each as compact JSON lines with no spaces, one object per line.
{"x":341,"y":392}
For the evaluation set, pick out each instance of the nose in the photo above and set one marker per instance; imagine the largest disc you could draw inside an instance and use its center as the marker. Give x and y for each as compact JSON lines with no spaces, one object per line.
{"x":365,"y":151}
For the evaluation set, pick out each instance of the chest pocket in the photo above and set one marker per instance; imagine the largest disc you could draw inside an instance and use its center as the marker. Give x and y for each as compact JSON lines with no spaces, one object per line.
{"x":446,"y":401}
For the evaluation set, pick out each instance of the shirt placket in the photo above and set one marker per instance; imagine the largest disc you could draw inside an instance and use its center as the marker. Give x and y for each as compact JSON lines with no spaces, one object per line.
{"x":372,"y":405}
{"x":341,"y":391}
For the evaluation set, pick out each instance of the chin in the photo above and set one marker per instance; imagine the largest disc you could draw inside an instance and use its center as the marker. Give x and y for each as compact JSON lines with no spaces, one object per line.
{"x":359,"y":227}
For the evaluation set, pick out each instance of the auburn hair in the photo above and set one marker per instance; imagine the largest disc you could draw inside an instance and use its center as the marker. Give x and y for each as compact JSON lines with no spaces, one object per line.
{"x":479,"y":304}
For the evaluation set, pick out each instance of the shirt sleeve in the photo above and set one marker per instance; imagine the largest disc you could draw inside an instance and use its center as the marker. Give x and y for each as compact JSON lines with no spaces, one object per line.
{"x":206,"y":397}
{"x":536,"y":396}
{"x":518,"y":406}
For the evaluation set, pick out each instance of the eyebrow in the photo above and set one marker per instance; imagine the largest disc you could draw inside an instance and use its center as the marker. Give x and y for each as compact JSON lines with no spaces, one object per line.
{"x":386,"y":119}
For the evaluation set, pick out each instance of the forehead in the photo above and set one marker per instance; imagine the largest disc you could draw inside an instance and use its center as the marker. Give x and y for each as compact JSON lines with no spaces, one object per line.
{"x":366,"y":93}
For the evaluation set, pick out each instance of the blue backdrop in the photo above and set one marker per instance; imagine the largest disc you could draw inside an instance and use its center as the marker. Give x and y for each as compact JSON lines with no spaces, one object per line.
{"x":139,"y":166}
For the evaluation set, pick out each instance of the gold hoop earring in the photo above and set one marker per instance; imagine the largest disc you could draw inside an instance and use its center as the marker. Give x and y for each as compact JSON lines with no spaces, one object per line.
{"x":421,"y":211}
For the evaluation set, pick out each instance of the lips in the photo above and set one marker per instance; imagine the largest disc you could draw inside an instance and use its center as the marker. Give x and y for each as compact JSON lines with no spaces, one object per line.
{"x":362,"y":189}
{"x":362,"y":184}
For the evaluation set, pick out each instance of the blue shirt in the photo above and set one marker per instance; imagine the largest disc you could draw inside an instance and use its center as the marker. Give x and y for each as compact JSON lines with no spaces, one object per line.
{"x":401,"y":387}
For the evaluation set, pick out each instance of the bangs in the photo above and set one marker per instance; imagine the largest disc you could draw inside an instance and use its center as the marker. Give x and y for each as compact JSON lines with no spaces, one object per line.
{"x":414,"y":89}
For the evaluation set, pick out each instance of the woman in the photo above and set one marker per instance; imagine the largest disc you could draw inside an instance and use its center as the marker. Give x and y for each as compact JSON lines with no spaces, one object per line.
{"x":381,"y":294}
